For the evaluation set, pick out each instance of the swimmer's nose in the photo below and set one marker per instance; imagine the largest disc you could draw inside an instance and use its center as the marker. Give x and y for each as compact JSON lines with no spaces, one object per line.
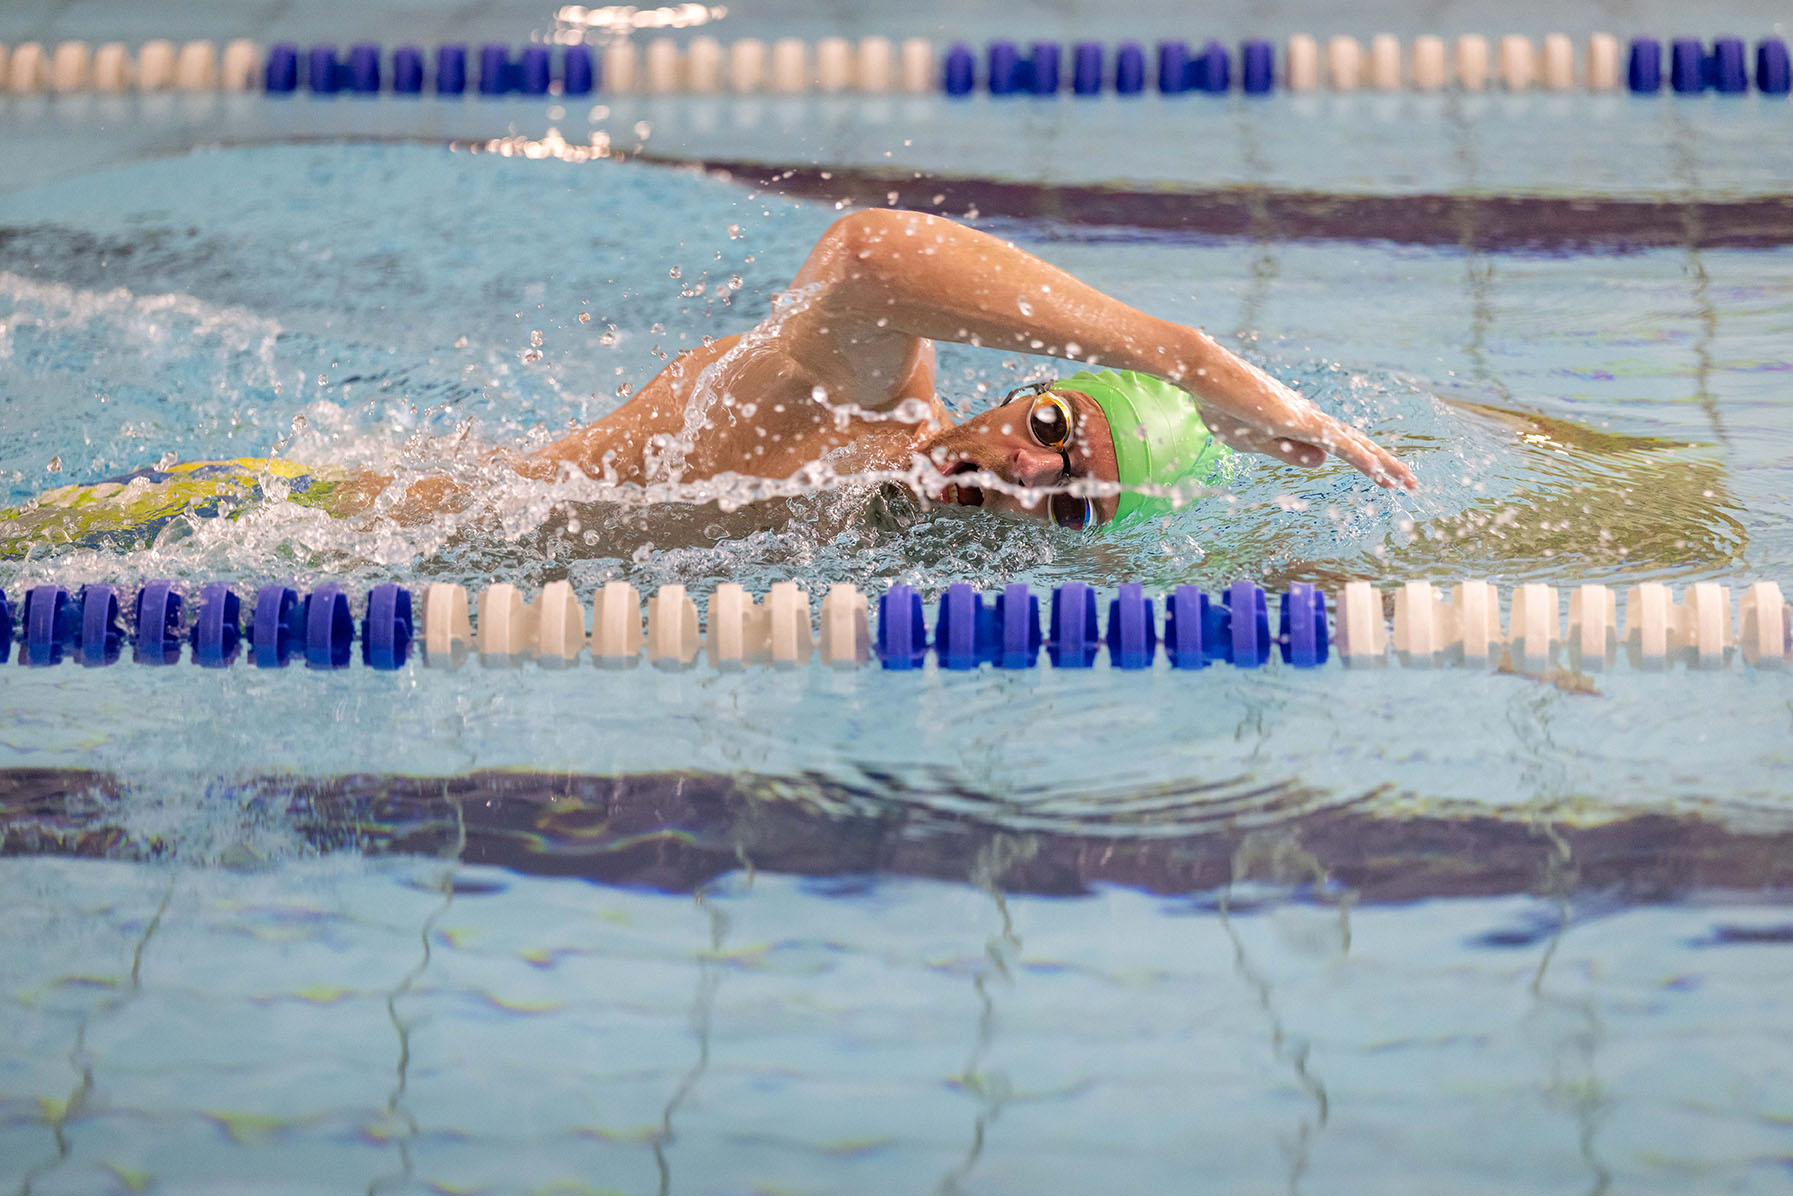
{"x":1033,"y":466}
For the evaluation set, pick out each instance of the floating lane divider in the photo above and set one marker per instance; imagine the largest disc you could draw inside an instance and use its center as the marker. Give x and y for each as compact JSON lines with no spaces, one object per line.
{"x":791,"y":66}
{"x":1188,"y":628}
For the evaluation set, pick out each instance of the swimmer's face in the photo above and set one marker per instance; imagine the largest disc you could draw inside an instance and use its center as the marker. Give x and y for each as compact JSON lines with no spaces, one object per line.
{"x":1037,"y":438}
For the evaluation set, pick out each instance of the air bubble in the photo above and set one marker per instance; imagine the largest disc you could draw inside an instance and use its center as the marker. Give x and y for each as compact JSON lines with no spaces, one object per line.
{"x":535,"y":337}
{"x":55,"y":465}
{"x":585,"y":317}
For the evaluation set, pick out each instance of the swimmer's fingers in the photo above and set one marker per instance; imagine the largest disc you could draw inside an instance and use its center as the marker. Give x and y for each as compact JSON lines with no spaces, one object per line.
{"x":1369,"y":458}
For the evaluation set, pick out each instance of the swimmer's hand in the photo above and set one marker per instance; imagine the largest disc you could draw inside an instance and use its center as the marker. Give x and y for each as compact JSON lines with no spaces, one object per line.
{"x":1253,"y":412}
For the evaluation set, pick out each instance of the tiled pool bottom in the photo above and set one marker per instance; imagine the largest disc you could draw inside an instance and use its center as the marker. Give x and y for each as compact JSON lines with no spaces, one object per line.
{"x":348,"y":1022}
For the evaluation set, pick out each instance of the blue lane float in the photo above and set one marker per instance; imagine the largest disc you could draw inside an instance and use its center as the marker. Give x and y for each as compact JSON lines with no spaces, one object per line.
{"x":1017,"y":619}
{"x":1643,"y":71}
{"x":328,"y":628}
{"x":1688,"y":73}
{"x":218,"y":628}
{"x":902,"y":631}
{"x":1772,"y":75}
{"x":1239,"y":626}
{"x":364,"y":69}
{"x":99,"y":639}
{"x":1185,"y":627}
{"x":1730,"y":72}
{"x":1173,"y":67}
{"x":1132,"y":631}
{"x":1129,"y":69}
{"x":1004,"y":61}
{"x":1072,"y":638}
{"x":387,"y":629}
{"x":1044,"y":64}
{"x":156,"y":620}
{"x":274,"y":626}
{"x":1302,"y":630}
{"x":281,"y":76}
{"x":959,"y":71}
{"x":1257,"y":67}
{"x":1086,"y":69}
{"x":494,"y":70}
{"x":323,"y":74}
{"x":407,"y":71}
{"x":6,"y":618}
{"x":50,"y":625}
{"x":965,"y":629}
{"x":451,"y":70}
{"x":577,"y":78}
{"x":1211,"y":70}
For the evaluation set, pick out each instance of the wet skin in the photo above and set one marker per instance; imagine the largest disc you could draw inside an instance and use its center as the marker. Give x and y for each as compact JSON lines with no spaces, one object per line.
{"x":844,"y":370}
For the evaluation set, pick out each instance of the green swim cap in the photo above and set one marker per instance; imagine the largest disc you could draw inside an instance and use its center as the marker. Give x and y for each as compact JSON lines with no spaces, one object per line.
{"x":1159,"y":437}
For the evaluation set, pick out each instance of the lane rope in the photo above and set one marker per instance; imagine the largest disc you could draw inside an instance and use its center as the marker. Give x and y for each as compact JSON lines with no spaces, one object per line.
{"x":1012,"y":628}
{"x":702,"y":65}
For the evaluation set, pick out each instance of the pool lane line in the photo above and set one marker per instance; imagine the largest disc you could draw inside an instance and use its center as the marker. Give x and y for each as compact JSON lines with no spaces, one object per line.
{"x":1012,"y":628}
{"x":1040,"y":69}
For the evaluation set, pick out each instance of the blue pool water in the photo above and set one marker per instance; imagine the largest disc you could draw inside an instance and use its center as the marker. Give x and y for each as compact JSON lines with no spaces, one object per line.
{"x":576,"y":930}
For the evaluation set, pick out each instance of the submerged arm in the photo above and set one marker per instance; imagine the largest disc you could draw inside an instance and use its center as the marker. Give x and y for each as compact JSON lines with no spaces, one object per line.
{"x":881,"y":275}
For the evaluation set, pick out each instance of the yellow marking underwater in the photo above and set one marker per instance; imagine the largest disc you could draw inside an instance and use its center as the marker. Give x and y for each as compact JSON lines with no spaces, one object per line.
{"x":128,"y":512}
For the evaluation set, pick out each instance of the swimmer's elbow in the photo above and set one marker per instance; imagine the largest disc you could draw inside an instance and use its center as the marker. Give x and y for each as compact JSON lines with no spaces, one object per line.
{"x":859,"y":255}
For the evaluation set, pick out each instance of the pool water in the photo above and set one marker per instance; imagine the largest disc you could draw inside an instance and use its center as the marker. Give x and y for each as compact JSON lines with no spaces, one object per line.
{"x":558,"y":930}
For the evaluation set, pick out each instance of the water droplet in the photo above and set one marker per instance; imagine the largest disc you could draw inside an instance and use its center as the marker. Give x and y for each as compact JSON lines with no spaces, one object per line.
{"x":460,"y":342}
{"x":1025,"y":306}
{"x":55,"y":465}
{"x":674,"y":272}
{"x":819,"y":393}
{"x":535,"y":337}
{"x":585,"y":317}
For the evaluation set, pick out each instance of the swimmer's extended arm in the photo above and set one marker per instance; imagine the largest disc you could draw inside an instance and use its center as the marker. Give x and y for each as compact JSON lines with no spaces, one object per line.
{"x":881,"y":277}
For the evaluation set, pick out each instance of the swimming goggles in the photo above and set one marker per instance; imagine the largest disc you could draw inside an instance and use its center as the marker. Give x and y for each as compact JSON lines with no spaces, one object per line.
{"x":1052,"y":422}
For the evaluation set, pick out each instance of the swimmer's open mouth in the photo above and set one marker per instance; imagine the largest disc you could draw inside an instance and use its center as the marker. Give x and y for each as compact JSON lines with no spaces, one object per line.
{"x":964,"y":496}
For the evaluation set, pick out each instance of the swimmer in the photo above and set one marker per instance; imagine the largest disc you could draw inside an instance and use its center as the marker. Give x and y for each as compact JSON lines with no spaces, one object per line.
{"x":843,"y":371}
{"x":852,"y":342}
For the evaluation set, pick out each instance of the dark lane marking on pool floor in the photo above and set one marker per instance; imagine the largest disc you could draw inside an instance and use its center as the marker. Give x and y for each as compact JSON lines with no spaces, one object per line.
{"x":1500,"y":223}
{"x":678,"y":831}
